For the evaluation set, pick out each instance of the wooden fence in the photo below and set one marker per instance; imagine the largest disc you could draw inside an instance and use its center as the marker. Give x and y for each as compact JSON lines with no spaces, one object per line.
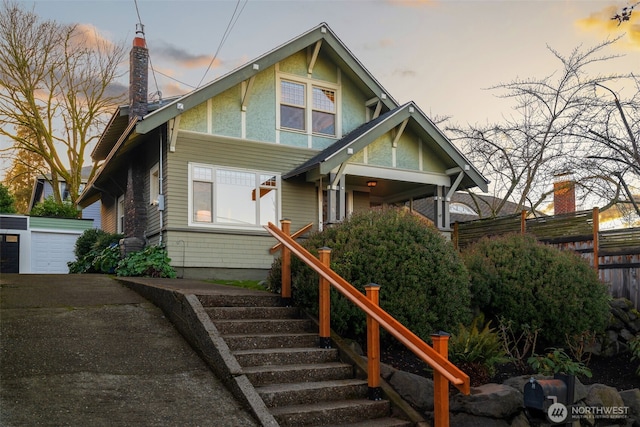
{"x":614,"y":253}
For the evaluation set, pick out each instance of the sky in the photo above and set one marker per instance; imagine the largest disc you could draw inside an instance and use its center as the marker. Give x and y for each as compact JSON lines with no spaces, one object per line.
{"x":442,"y":54}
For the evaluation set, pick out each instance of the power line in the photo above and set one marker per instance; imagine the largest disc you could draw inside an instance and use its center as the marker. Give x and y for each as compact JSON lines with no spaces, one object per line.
{"x":230,"y":25}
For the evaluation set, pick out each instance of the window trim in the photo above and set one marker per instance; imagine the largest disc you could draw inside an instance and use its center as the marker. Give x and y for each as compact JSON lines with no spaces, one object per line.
{"x":154,"y":184}
{"x":309,"y":84}
{"x":120,"y":215}
{"x":226,"y":226}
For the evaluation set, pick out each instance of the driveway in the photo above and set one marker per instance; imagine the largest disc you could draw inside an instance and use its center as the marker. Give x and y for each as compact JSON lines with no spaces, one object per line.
{"x":83,"y":350}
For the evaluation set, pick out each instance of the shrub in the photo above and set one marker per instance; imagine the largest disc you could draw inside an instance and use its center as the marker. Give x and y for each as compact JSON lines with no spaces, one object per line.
{"x":7,"y":200}
{"x":107,"y":260}
{"x":536,"y":286}
{"x":424,"y":285}
{"x":477,"y":349}
{"x":152,"y":261}
{"x":89,"y":246}
{"x":50,"y":208}
{"x":556,"y":361}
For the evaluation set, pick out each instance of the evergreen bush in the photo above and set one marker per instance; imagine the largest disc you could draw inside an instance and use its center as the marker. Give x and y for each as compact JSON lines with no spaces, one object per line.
{"x":95,"y":244}
{"x":536,"y":286}
{"x":423,"y":283}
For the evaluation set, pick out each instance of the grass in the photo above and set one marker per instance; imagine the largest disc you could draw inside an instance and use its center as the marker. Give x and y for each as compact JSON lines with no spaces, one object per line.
{"x":247,"y":284}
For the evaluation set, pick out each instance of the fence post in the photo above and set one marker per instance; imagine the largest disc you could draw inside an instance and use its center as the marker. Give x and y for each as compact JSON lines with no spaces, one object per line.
{"x":456,"y":236}
{"x":324,"y":315}
{"x":440,"y":383}
{"x":523,"y":221}
{"x":373,"y":346}
{"x":596,"y":239}
{"x":285,"y":291}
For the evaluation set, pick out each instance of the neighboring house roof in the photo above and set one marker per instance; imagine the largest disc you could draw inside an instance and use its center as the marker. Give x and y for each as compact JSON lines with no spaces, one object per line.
{"x":485,"y":204}
{"x":37,"y":194}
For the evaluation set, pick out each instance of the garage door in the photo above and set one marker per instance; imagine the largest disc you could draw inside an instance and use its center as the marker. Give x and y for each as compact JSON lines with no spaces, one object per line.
{"x":50,"y":252}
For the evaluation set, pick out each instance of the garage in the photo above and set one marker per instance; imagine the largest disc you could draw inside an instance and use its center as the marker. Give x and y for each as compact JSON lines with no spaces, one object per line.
{"x":50,"y":251}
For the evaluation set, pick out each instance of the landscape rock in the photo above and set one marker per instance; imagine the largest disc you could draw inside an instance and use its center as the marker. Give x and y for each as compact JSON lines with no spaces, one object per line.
{"x":603,"y":395}
{"x":467,"y":420}
{"x":489,"y":400}
{"x":414,"y":389}
{"x":520,"y":420}
{"x":631,"y":399}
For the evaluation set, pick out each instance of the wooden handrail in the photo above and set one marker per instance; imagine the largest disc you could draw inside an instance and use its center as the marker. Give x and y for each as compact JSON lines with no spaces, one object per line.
{"x":273,"y":249}
{"x":395,"y":328}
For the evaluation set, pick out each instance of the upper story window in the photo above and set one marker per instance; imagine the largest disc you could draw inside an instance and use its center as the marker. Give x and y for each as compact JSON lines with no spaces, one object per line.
{"x":232,"y":197}
{"x":296,"y":112}
{"x":461,"y":208}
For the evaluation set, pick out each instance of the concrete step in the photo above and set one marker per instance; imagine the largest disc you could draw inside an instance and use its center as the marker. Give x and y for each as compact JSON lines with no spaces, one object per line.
{"x":230,"y":313}
{"x":277,"y":374}
{"x":259,"y":300}
{"x":264,"y":326}
{"x":331,"y":413}
{"x":310,"y":392}
{"x":378,"y":422}
{"x":285,"y":356}
{"x":263,"y":341}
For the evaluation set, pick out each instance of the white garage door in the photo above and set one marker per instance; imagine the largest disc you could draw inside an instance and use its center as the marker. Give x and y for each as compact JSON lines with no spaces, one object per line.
{"x":50,"y":252}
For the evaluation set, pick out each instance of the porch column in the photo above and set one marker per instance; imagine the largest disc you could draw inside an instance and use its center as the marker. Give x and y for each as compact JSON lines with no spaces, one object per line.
{"x":443,"y":217}
{"x":336,"y":198}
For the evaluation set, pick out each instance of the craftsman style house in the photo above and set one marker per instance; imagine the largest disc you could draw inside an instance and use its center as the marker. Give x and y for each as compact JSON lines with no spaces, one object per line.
{"x":303,"y":132}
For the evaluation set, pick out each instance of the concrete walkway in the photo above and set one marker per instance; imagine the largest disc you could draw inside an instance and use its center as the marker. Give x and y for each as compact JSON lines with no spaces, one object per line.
{"x":83,"y":350}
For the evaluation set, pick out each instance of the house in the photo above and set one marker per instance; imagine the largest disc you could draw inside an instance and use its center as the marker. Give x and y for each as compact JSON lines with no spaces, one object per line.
{"x":466,"y":207}
{"x":303,"y":132}
{"x":42,"y":189}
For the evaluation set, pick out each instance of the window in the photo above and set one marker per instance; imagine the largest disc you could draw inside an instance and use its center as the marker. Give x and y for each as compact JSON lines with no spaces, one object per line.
{"x":232,"y":197}
{"x":120,"y":215}
{"x":461,"y":208}
{"x":293,"y":107}
{"x":154,"y":184}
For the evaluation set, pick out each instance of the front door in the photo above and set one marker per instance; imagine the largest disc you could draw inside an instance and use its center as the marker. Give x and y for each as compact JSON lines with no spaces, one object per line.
{"x":9,"y":253}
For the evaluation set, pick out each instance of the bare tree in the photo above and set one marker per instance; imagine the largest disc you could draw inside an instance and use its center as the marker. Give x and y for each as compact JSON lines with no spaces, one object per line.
{"x":56,"y":81}
{"x":544,"y":135}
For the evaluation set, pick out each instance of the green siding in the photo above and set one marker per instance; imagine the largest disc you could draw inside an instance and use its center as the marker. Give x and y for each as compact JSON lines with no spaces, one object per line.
{"x":325,"y":69}
{"x":260,"y":117}
{"x":379,"y":151}
{"x":294,"y":139}
{"x":195,"y":119}
{"x":320,"y":142}
{"x":353,"y":106}
{"x":407,"y":152}
{"x":295,"y":64}
{"x":225,"y":109}
{"x":357,"y":157}
{"x":36,"y":222}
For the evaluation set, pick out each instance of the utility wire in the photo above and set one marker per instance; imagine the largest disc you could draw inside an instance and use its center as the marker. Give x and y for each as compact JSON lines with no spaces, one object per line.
{"x":230,"y":25}
{"x":153,"y":72}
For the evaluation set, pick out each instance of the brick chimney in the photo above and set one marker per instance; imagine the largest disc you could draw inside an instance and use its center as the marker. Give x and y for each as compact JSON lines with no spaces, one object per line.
{"x":564,"y":194}
{"x":138,"y":76}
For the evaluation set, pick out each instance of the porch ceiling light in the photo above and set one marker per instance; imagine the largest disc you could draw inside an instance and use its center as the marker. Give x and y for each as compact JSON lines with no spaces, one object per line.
{"x":372,"y":183}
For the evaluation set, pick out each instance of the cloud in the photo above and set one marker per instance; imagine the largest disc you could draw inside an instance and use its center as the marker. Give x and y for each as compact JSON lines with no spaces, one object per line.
{"x":602,"y":23}
{"x":381,"y":43}
{"x":173,"y":89}
{"x":412,"y":3}
{"x":181,"y":56}
{"x":89,"y":36}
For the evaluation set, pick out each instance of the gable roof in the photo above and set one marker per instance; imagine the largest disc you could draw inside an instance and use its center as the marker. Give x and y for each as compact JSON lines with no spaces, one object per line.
{"x":331,"y":44}
{"x":439,"y":145}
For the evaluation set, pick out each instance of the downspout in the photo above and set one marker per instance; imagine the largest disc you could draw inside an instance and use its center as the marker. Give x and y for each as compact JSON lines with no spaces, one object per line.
{"x":161,"y":191}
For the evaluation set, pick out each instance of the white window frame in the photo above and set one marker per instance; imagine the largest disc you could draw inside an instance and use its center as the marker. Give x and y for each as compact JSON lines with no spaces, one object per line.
{"x":213,"y":224}
{"x":154,"y":184}
{"x":309,"y":84}
{"x":120,"y":215}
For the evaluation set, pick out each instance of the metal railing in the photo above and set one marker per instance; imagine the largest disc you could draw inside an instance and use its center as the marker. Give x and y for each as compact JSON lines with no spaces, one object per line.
{"x":444,"y":372}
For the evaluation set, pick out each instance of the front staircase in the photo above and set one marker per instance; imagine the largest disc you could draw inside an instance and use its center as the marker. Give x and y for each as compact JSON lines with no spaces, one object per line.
{"x":300,"y":383}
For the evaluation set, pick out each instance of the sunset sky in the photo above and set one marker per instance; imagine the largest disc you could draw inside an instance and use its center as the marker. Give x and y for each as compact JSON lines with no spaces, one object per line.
{"x":442,"y":54}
